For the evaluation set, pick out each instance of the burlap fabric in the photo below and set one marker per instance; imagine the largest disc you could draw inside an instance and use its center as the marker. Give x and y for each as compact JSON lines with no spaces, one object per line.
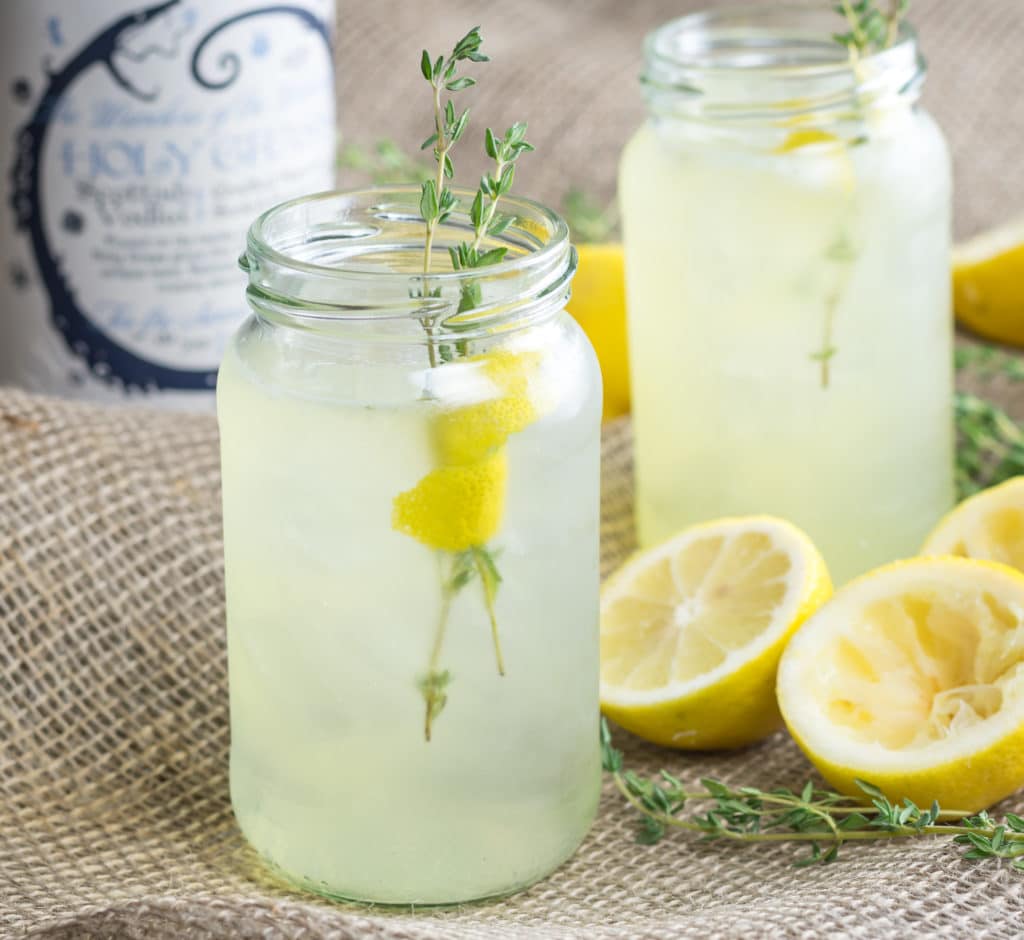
{"x":114,"y":812}
{"x":569,"y":68}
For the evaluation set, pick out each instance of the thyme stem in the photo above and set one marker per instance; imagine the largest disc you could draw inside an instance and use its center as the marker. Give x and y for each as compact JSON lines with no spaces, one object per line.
{"x":486,"y":580}
{"x":436,"y":681}
{"x":813,"y":816}
{"x":437,"y":202}
{"x":431,"y":223}
{"x":442,"y":152}
{"x":869,"y":31}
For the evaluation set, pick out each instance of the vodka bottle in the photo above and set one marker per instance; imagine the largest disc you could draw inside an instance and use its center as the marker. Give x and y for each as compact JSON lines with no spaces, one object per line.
{"x":140,"y":138}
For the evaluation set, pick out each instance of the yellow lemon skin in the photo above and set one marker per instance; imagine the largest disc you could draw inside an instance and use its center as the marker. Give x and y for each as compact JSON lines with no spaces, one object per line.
{"x":460,"y":504}
{"x":989,"y":525}
{"x":990,"y":776}
{"x":805,"y":137}
{"x":988,"y":284}
{"x":735,"y":712}
{"x":964,"y":777}
{"x":454,"y":508}
{"x":598,"y":304}
{"x":740,"y":707}
{"x":470,"y":433}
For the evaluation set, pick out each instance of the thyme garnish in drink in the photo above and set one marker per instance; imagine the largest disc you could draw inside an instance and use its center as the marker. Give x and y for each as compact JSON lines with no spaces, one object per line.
{"x":457,"y":508}
{"x":869,"y":30}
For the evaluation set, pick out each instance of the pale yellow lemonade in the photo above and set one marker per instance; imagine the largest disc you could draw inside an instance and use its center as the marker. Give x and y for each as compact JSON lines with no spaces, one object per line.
{"x":332,"y":613}
{"x":790,"y":334}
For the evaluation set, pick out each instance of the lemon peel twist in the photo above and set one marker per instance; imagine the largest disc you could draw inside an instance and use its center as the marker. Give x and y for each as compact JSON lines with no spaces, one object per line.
{"x":457,"y":508}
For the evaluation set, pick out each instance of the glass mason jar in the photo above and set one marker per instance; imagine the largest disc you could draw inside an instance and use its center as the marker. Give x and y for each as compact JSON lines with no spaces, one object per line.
{"x":411,"y":505}
{"x":786,"y":216}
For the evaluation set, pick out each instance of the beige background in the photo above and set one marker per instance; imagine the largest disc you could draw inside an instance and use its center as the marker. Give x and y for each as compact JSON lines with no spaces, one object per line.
{"x":569,"y":68}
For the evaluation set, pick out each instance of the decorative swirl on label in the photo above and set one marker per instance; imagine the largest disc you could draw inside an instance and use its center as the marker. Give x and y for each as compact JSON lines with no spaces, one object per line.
{"x":105,"y":356}
{"x":230,"y":62}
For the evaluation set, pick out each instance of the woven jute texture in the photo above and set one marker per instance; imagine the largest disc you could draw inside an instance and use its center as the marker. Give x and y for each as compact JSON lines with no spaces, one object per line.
{"x":114,"y":812}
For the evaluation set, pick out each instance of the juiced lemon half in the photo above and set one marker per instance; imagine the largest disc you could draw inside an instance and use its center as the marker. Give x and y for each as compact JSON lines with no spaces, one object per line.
{"x":989,"y":525}
{"x":692,"y":631}
{"x":912,"y":678}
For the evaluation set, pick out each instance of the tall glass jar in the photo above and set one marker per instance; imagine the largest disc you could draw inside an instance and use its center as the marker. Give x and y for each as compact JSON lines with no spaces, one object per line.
{"x":411,"y":504}
{"x":786,"y":214}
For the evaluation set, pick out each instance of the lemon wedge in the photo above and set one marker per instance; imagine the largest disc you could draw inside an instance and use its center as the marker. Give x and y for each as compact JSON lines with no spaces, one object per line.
{"x":692,"y":631}
{"x":912,"y":678}
{"x":989,"y":525}
{"x":988,"y":283}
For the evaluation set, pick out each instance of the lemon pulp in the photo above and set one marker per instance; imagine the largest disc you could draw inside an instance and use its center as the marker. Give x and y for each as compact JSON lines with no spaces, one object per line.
{"x":692,"y":631}
{"x":912,"y":677}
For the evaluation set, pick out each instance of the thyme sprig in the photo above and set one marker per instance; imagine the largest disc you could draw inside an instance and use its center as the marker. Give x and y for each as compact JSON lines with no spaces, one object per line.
{"x":870,"y":28}
{"x":990,"y":444}
{"x":821,"y":819}
{"x":437,"y":203}
{"x":437,"y":200}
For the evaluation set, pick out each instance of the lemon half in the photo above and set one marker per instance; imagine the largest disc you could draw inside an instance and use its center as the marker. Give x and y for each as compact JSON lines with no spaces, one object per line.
{"x":989,"y":525}
{"x":692,"y":631}
{"x":912,"y":678}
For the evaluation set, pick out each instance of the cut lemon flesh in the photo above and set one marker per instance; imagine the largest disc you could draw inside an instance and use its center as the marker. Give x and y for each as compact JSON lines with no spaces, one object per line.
{"x":912,"y":678}
{"x":989,"y":525}
{"x":692,"y":631}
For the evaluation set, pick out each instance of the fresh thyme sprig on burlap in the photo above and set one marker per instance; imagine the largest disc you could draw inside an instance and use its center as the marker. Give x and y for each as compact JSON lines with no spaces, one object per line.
{"x":990,"y":444}
{"x":437,"y":203}
{"x":822,"y":820}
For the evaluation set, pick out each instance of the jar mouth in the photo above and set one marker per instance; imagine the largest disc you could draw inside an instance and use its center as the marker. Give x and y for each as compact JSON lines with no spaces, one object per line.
{"x":772,"y":64}
{"x":358,"y":255}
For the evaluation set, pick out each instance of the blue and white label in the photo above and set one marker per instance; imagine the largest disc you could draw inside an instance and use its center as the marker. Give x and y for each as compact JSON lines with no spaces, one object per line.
{"x":142,"y":140}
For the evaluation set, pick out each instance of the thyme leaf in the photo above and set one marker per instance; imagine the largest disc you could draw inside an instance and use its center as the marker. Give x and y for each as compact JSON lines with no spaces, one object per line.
{"x":437,"y":203}
{"x":990,"y":444}
{"x":822,"y":820}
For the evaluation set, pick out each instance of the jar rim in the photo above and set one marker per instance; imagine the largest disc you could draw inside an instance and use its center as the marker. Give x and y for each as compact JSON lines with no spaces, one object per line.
{"x":344,"y":255}
{"x":742,"y":62}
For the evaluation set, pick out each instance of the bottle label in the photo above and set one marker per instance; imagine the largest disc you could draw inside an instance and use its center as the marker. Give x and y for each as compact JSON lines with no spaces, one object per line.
{"x":146,"y":138}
